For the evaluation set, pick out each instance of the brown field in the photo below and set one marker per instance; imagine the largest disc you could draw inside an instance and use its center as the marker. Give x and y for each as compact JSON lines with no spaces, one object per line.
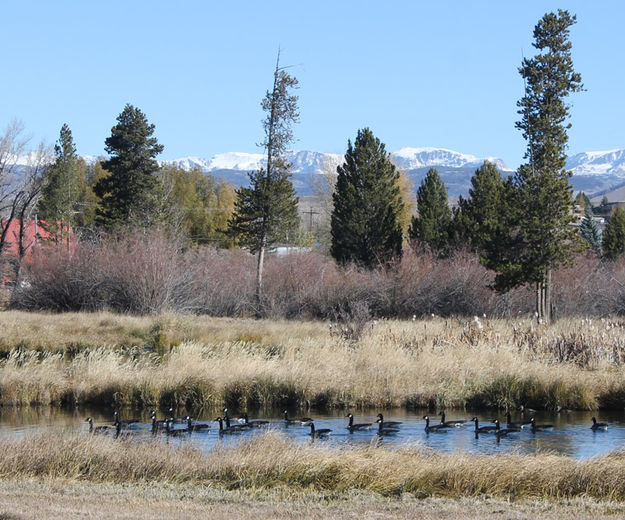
{"x":184,"y":360}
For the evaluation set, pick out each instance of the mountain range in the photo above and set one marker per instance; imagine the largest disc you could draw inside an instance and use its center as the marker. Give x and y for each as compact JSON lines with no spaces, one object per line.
{"x":593,"y":172}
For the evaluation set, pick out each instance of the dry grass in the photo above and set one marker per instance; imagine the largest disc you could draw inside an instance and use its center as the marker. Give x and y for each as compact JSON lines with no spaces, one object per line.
{"x":198,"y":361}
{"x":62,"y":499}
{"x":273,"y":463}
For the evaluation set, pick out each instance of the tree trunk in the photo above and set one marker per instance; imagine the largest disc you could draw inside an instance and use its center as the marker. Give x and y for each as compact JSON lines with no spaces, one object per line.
{"x":548,"y":297}
{"x":259,"y":279}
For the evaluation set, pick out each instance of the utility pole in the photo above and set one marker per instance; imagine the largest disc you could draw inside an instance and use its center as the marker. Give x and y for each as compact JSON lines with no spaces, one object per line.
{"x":310,"y":214}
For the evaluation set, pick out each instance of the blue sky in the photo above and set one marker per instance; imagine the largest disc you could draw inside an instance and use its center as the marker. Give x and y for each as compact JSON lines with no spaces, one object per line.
{"x":417,"y":73}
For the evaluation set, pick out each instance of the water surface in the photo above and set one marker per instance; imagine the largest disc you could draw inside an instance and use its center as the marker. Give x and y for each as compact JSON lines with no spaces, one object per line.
{"x":571,"y":434}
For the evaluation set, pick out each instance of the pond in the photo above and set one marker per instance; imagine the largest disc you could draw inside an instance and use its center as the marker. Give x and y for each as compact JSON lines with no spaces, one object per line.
{"x":571,"y":434}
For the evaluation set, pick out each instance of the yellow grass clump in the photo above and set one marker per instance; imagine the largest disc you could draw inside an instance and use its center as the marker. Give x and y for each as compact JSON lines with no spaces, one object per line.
{"x":214,"y":362}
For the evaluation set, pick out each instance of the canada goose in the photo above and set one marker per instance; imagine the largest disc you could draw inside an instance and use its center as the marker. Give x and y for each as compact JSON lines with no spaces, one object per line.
{"x":226,"y":419}
{"x":322,"y":432}
{"x":304,"y":421}
{"x":254,"y":423}
{"x":176,"y":420}
{"x":195,"y":427}
{"x":97,"y":429}
{"x":226,"y":430}
{"x":123,"y":422}
{"x":539,"y":427}
{"x":359,"y":426}
{"x":169,"y":429}
{"x":510,"y":424}
{"x":436,"y":428}
{"x":502,"y":432}
{"x":598,"y":425}
{"x":387,"y":423}
{"x":386,"y":430}
{"x":451,"y":424}
{"x":482,"y":429}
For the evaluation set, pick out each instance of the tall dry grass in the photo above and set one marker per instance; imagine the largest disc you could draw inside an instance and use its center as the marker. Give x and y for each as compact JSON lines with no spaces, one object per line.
{"x":197,"y":362}
{"x":271,"y":461}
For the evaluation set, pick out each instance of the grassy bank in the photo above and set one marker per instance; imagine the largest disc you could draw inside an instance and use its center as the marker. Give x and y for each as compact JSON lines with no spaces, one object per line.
{"x":271,"y":463}
{"x":62,"y":499}
{"x":178,"y":360}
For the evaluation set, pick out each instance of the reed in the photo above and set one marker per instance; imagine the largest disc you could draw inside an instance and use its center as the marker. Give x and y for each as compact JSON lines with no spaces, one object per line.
{"x":271,"y":461}
{"x":249,"y":363}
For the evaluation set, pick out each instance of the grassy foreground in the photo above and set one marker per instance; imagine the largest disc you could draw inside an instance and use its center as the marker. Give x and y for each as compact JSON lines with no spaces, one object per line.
{"x":126,"y":478}
{"x":180,"y":360}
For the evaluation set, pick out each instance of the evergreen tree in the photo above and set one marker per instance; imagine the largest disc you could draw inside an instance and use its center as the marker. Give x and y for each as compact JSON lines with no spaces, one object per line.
{"x":365,"y":224}
{"x":266,"y":212}
{"x":64,"y":182}
{"x":127,"y":194}
{"x":590,"y":230}
{"x":583,"y":201}
{"x":542,"y":238}
{"x":478,"y":219}
{"x":614,"y":235}
{"x":432,"y":225}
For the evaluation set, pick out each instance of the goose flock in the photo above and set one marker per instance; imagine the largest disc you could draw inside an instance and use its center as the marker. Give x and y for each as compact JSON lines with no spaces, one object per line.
{"x":226,"y":425}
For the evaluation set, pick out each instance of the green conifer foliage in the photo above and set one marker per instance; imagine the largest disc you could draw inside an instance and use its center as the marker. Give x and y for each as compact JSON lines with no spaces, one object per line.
{"x":478,"y":220}
{"x":127,"y":194}
{"x":365,"y":225}
{"x":432,"y":225}
{"x":541,"y":238}
{"x":614,"y":235}
{"x":590,"y":230}
{"x":64,"y":182}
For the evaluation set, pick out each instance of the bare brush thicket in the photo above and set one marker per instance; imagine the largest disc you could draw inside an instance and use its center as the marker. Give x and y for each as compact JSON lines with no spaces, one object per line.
{"x":151,"y":273}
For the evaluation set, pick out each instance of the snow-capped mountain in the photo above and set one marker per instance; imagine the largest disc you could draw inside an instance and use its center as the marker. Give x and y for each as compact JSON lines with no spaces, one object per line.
{"x":317,"y":162}
{"x":610,"y":162}
{"x":427,"y":157}
{"x":592,"y":171}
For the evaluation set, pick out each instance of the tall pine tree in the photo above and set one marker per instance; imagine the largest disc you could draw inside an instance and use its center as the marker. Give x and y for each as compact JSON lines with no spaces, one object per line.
{"x":365,"y":224}
{"x":614,"y":235}
{"x":541,"y":236}
{"x":127,"y":194}
{"x":266,"y":212}
{"x":63,"y":187}
{"x":432,"y":225}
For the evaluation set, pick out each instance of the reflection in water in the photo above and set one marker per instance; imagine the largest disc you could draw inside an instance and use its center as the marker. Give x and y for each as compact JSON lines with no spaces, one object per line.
{"x":571,"y":435}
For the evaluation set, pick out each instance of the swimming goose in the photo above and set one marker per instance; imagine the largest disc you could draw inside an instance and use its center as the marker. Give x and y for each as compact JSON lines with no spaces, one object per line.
{"x":254,"y":423}
{"x":386,"y":430}
{"x":98,"y":429}
{"x":226,"y":430}
{"x":123,"y":422}
{"x":322,"y":432}
{"x":539,"y":427}
{"x":387,"y":423}
{"x":436,"y":428}
{"x":451,"y":424}
{"x":176,"y":420}
{"x":482,"y":429}
{"x":172,"y":432}
{"x":195,"y":427}
{"x":502,"y":432}
{"x":598,"y":425}
{"x":358,"y":426}
{"x":304,"y":421}
{"x":511,"y":424}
